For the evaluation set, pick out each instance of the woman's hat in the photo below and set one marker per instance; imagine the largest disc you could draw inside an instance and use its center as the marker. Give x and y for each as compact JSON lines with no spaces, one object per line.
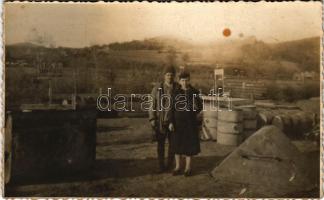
{"x":169,"y":69}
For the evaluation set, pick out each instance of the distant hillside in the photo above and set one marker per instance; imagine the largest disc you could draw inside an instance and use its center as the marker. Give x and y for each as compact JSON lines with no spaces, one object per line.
{"x":306,"y":52}
{"x":156,"y":43}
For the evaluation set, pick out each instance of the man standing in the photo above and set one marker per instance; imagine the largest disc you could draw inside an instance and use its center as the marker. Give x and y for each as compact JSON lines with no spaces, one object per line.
{"x":160,"y":117}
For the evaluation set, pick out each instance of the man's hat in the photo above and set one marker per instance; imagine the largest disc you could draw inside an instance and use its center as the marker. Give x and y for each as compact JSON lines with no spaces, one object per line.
{"x":169,"y":69}
{"x":184,"y":74}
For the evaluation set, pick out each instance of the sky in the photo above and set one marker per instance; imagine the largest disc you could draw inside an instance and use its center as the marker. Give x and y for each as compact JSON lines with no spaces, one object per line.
{"x":85,"y":24}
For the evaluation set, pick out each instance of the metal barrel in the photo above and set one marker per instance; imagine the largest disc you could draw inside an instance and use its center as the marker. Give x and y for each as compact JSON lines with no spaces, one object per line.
{"x":230,"y":127}
{"x":230,"y":116}
{"x":265,"y":117}
{"x":229,"y":139}
{"x":284,"y":123}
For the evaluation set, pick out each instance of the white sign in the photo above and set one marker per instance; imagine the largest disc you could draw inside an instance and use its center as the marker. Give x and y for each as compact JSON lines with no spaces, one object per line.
{"x":219,"y":72}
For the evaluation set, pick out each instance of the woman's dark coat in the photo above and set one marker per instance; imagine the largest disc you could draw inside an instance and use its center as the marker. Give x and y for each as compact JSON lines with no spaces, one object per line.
{"x":187,"y":104}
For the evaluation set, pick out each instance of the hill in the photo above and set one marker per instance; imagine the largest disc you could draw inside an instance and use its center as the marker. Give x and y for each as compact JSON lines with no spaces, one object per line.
{"x":305,"y":52}
{"x":156,"y":43}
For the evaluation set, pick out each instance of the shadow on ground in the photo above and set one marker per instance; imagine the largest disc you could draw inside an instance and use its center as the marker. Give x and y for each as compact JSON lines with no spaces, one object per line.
{"x":128,"y":168}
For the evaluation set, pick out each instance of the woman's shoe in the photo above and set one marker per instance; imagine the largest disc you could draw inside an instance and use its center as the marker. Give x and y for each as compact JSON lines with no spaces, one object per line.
{"x":176,"y":172}
{"x":187,"y":173}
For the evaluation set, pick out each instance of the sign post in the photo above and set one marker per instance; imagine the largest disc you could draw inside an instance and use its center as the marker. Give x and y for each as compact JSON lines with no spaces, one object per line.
{"x":219,"y":76}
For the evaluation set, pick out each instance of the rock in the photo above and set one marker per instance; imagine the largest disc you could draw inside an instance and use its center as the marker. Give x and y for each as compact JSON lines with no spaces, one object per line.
{"x":267,"y":159}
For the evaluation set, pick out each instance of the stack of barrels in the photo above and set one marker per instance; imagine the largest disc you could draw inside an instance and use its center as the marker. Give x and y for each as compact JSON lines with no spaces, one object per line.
{"x":250,"y":124}
{"x":229,"y":127}
{"x":233,"y":127}
{"x":295,"y":123}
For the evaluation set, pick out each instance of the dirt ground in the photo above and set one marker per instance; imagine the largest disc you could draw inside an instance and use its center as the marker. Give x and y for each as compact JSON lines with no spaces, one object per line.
{"x":126,"y":166}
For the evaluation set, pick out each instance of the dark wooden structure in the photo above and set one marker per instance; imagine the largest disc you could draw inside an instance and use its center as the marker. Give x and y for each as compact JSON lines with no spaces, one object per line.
{"x":43,"y":143}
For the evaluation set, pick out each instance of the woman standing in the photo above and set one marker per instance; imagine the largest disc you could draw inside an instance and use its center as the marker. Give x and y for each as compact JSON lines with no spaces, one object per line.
{"x":187,"y":104}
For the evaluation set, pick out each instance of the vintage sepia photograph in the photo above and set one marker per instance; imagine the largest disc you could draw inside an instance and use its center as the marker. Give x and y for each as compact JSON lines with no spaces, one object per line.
{"x":181,"y":100}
